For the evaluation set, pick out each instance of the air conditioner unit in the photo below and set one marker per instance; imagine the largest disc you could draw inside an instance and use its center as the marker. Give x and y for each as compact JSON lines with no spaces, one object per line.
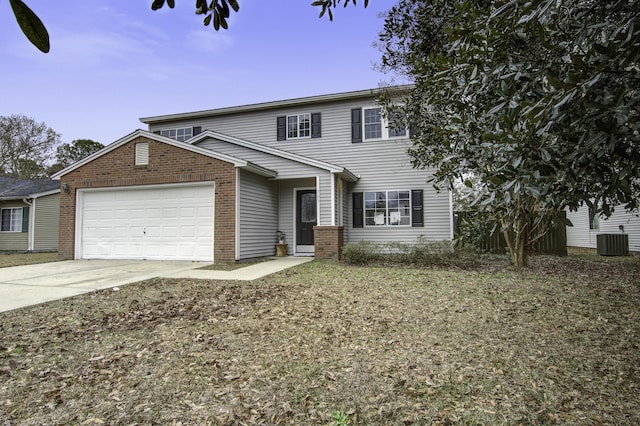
{"x":613,"y":244}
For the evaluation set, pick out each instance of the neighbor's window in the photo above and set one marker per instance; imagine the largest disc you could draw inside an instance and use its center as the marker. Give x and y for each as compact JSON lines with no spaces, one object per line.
{"x":298,"y":126}
{"x":387,"y":208}
{"x":181,"y":134}
{"x":11,"y":219}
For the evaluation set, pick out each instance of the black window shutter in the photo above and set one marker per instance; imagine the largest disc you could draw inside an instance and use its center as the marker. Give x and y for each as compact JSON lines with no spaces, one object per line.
{"x":358,"y":210}
{"x":25,"y":219}
{"x":281,"y":126}
{"x":197,"y":130}
{"x":417,"y":212}
{"x":316,"y":130}
{"x":157,"y":132}
{"x":356,"y":125}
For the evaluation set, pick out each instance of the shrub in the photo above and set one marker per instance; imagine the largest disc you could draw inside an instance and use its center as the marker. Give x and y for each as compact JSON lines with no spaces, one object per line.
{"x":420,"y":253}
{"x":361,"y":253}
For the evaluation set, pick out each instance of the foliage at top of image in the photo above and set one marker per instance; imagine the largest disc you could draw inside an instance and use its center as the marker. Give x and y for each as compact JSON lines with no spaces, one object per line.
{"x":216,"y":13}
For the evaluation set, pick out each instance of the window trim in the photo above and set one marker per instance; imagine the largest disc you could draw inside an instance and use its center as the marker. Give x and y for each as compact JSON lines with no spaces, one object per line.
{"x":385,"y":129}
{"x":12,"y":227}
{"x":298,"y":122}
{"x":387,"y":223}
{"x":176,"y":130}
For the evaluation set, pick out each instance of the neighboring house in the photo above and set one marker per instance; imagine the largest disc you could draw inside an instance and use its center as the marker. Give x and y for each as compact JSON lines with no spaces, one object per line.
{"x":29,"y":209}
{"x":586,"y":227}
{"x":218,"y":185}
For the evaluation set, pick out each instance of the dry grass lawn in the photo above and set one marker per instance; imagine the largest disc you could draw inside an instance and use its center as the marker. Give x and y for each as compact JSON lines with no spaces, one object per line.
{"x":325,"y":343}
{"x":17,"y":259}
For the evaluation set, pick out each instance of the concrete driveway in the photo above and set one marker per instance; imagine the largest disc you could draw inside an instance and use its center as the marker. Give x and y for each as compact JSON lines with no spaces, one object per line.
{"x":32,"y":284}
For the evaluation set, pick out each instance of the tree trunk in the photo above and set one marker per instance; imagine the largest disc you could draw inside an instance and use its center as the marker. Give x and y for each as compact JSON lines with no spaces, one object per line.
{"x":517,"y":243}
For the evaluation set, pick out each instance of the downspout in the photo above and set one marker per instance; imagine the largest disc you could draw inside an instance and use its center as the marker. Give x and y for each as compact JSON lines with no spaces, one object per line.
{"x":318,"y":201}
{"x":31,"y":228}
{"x":237,"y":200}
{"x":451,"y":222}
{"x":333,"y":199}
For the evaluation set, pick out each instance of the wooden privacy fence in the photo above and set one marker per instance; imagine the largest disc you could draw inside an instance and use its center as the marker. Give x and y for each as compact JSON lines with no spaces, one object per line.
{"x":554,"y":242}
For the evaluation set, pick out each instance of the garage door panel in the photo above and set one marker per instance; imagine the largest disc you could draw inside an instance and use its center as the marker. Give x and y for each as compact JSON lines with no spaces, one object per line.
{"x":172,"y":223}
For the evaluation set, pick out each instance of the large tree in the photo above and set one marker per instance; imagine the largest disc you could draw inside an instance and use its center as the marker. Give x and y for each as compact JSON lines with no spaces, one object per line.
{"x":216,"y":13}
{"x":26,"y":146}
{"x":538,"y":99}
{"x":67,"y":154}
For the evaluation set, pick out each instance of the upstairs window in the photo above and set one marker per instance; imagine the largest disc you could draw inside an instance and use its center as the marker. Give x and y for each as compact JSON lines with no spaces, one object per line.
{"x":180,"y":134}
{"x":11,"y":219}
{"x":373,"y":123}
{"x":369,"y":124}
{"x":298,"y":126}
{"x":396,"y":126}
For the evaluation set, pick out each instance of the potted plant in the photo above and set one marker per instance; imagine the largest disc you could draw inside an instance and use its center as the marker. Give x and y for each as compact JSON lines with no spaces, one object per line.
{"x":281,"y":246}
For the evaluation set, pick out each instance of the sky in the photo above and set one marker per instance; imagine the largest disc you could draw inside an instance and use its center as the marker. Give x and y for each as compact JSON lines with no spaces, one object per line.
{"x":114,"y":61}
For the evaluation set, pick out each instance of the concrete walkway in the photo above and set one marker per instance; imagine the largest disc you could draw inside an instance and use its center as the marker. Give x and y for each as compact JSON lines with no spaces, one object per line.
{"x":33,"y":284}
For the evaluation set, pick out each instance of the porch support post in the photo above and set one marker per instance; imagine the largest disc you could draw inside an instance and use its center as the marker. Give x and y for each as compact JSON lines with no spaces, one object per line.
{"x":329,"y":241}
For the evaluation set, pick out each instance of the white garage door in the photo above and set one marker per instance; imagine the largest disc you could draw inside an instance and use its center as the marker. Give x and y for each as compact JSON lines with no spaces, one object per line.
{"x":156,"y":223}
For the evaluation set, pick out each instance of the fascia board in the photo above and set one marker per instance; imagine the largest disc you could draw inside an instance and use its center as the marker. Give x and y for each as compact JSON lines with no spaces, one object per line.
{"x":357,"y":94}
{"x":138,"y":133}
{"x":267,"y":150}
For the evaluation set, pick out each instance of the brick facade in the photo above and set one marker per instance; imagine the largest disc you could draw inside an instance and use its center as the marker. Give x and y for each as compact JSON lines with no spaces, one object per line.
{"x":167,"y":164}
{"x":329,"y":241}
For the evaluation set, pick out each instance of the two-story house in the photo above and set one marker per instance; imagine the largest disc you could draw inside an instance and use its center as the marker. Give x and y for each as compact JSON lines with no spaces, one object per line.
{"x":218,"y":185}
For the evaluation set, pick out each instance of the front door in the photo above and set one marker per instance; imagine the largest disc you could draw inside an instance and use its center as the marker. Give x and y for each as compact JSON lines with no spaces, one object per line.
{"x":306,"y":219}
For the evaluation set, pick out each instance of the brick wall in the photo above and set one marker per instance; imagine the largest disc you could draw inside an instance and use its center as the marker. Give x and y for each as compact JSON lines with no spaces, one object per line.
{"x":329,"y":241}
{"x":167,"y":164}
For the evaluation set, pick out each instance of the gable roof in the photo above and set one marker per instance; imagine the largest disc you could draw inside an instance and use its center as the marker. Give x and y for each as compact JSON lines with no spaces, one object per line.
{"x":247,"y":165}
{"x":276,"y":152}
{"x":358,"y":94}
{"x":17,"y":189}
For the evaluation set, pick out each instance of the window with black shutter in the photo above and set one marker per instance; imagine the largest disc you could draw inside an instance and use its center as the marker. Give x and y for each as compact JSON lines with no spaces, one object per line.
{"x":358,"y":210}
{"x":316,"y":130}
{"x":281,"y":127}
{"x":417,"y":211}
{"x":356,"y":125}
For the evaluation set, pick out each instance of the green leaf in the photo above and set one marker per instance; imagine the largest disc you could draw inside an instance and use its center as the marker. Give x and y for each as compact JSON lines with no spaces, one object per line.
{"x":171,"y":3}
{"x":31,"y":25}
{"x":234,"y":5}
{"x":157,"y":4}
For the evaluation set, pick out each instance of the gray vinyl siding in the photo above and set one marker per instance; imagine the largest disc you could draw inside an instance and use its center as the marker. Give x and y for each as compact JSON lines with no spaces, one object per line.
{"x":258,"y":216}
{"x":287,"y":169}
{"x":579,"y":235}
{"x":13,"y":241}
{"x":379,"y":164}
{"x":47,"y":220}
